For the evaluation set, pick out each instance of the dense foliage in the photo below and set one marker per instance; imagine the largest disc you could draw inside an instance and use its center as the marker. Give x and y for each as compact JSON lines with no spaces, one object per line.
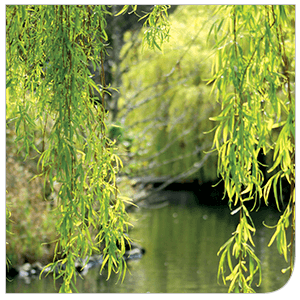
{"x":254,"y":73}
{"x":52,"y":55}
{"x":49,"y":49}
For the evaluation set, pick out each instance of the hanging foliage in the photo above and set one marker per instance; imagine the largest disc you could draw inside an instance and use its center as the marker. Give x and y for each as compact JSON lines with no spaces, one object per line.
{"x":254,"y":81}
{"x":49,"y":49}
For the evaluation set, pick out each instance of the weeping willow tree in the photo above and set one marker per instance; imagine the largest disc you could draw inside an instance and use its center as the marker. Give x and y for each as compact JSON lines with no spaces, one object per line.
{"x":254,"y":73}
{"x":164,"y":102}
{"x":49,"y":88}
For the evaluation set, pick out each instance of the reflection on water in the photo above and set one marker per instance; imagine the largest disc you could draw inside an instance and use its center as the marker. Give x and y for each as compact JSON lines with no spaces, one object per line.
{"x":181,"y":242}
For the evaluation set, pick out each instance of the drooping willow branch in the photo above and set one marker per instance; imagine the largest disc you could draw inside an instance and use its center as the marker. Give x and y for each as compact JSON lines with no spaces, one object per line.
{"x":51,"y":67}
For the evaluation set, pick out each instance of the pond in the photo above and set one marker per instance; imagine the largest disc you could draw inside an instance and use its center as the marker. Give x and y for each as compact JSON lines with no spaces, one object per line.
{"x":181,"y":241}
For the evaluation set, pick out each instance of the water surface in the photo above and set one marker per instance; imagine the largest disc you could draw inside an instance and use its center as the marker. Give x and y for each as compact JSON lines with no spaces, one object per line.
{"x":181,"y":241}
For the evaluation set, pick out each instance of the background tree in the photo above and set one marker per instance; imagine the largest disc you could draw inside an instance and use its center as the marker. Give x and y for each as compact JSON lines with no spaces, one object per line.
{"x":164,"y":100}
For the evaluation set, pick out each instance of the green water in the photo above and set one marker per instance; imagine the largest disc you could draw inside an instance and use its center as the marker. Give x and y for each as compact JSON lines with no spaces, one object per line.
{"x":181,"y":241}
